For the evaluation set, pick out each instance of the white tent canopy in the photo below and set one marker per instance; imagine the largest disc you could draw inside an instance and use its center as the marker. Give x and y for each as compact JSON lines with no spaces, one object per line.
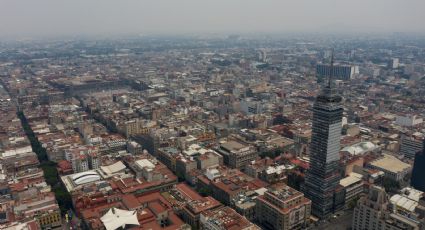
{"x":116,"y":218}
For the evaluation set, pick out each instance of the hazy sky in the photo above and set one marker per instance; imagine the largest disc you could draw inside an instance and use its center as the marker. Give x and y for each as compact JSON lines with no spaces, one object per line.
{"x":92,"y":17}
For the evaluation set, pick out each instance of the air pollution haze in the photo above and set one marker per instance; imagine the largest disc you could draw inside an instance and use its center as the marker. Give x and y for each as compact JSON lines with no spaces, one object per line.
{"x":111,"y":17}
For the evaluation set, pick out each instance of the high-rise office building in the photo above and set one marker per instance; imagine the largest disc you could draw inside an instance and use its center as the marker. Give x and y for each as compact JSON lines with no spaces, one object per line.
{"x":323,"y":177}
{"x":418,"y":172}
{"x":339,"y":72}
{"x":410,"y":146}
{"x":394,"y":63}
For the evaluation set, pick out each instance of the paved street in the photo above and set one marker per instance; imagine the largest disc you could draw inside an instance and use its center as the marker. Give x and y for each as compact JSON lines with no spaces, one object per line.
{"x":342,"y":222}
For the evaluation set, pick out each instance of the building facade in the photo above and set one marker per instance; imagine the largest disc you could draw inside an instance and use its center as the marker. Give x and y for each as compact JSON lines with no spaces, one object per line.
{"x":410,"y":146}
{"x":323,"y":177}
{"x":237,"y":155}
{"x":282,"y":207}
{"x":374,"y":212}
{"x":393,"y":168}
{"x":418,"y":172}
{"x":83,"y":158}
{"x":340,"y":72}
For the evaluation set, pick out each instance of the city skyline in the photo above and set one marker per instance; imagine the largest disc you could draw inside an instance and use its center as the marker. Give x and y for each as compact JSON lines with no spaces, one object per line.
{"x":206,"y":115}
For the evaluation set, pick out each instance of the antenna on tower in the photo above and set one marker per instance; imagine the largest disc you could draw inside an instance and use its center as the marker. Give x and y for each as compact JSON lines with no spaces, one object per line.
{"x":331,"y":69}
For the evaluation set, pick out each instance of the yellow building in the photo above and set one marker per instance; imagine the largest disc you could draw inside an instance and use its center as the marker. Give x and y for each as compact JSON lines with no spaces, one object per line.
{"x":52,"y":218}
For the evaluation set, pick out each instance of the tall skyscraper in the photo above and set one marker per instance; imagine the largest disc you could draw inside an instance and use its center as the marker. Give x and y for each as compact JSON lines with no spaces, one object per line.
{"x":322,"y":177}
{"x":418,"y":172}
